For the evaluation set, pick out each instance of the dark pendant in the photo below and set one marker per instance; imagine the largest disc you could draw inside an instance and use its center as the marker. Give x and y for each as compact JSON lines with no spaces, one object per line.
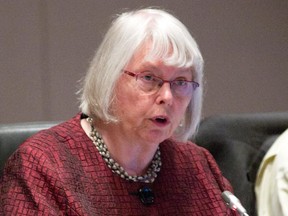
{"x":146,"y":195}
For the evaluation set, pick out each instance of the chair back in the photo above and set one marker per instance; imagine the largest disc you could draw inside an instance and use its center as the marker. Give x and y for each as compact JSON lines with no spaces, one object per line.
{"x":238,"y":143}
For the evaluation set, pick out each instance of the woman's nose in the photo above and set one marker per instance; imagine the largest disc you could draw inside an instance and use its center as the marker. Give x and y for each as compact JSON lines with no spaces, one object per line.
{"x":165,"y":94}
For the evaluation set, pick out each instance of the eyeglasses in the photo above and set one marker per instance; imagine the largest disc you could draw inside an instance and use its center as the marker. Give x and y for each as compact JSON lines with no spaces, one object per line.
{"x":151,"y":84}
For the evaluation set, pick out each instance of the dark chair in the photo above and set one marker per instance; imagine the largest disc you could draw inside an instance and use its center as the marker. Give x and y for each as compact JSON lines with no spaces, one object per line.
{"x":238,"y":144}
{"x":12,"y":135}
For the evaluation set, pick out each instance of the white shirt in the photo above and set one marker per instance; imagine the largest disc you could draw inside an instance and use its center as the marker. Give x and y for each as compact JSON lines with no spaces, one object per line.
{"x":271,"y":185}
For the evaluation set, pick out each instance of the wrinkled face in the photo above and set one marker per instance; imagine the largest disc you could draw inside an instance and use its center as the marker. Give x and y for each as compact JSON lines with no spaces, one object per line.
{"x":146,"y":115}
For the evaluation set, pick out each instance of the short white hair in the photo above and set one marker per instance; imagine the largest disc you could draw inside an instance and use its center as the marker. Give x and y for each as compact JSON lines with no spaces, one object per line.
{"x":127,"y":33}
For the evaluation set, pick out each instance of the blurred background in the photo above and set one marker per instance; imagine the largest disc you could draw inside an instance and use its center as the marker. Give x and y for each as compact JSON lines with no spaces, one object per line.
{"x":46,"y":47}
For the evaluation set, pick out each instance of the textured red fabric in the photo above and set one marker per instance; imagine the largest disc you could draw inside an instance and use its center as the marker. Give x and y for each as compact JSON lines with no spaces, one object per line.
{"x":60,"y":172}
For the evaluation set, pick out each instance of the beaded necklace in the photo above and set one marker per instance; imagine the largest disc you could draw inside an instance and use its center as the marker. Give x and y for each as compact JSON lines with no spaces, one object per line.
{"x":148,"y":177}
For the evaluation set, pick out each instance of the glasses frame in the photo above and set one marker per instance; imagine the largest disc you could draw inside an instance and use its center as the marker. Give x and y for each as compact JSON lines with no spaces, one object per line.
{"x":195,"y":84}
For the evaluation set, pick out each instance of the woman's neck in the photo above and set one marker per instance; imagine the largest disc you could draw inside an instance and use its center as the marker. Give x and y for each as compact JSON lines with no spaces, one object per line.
{"x":132,"y":155}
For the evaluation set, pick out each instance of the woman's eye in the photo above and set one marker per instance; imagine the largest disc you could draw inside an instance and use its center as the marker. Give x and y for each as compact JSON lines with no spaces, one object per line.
{"x":148,"y":78}
{"x":180,"y":82}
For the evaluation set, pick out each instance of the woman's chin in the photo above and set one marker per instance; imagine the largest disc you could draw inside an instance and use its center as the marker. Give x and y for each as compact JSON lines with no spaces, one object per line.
{"x":157,"y":136}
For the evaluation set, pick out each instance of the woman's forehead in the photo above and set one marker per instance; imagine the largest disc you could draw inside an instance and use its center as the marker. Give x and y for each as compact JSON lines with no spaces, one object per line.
{"x":150,"y":55}
{"x":146,"y":56}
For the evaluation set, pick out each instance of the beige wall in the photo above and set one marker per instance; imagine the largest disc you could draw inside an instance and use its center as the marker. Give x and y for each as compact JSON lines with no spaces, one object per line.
{"x":46,"y":45}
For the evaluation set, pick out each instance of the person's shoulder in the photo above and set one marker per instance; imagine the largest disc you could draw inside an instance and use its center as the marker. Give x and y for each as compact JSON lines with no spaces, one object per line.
{"x":50,"y":146}
{"x":182,"y":146}
{"x":51,"y":137}
{"x":194,"y":157}
{"x":188,"y":150}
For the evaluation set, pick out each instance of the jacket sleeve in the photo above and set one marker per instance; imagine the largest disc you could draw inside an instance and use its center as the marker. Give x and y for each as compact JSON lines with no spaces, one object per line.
{"x":223,"y":183}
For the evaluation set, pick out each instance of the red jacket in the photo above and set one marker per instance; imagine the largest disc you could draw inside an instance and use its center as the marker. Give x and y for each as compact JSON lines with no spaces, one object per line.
{"x":60,"y":172}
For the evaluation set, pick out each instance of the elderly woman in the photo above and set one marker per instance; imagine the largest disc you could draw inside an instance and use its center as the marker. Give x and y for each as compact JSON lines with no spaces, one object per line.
{"x":127,"y":152}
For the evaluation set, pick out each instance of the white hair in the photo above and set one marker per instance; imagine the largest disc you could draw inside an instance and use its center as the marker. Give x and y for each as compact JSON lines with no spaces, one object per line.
{"x":127,"y":33}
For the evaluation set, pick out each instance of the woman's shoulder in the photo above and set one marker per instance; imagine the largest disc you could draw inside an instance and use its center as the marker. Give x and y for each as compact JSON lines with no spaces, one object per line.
{"x":52,"y":145}
{"x":190,"y":156}
{"x":187,"y":153}
{"x":184,"y":148}
{"x":55,"y":137}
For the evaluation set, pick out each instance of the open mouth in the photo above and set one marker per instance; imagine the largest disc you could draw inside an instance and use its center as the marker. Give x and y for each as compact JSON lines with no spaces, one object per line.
{"x":161,"y":120}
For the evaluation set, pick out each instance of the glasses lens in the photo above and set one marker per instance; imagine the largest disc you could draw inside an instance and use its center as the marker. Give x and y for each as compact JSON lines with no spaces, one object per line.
{"x":148,"y":83}
{"x":182,"y":87}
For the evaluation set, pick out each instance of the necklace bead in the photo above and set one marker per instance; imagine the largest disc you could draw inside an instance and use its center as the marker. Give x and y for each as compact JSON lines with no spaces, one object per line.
{"x":148,"y":177}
